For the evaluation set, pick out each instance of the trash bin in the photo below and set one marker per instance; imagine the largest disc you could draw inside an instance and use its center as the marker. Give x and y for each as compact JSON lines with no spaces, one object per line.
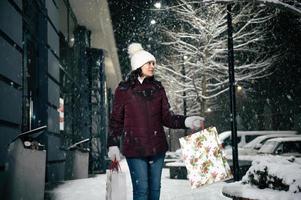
{"x":26,"y":166}
{"x":78,"y":156}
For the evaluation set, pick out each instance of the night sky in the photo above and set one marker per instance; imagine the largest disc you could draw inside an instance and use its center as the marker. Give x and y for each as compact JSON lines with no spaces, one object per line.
{"x":132,"y":23}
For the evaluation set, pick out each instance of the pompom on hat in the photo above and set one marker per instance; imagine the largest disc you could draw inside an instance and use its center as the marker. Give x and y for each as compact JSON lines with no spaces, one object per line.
{"x":139,"y":56}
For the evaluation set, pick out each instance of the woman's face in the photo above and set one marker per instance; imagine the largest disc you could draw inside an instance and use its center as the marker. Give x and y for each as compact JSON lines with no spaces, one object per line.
{"x":148,"y":69}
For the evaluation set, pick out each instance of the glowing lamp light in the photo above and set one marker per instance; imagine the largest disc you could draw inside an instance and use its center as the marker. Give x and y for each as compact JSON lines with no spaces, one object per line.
{"x":239,"y":88}
{"x":153,"y":21}
{"x":157,"y":5}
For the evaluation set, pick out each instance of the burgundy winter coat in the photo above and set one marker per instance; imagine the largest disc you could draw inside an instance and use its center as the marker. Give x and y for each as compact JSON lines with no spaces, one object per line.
{"x":139,"y":113}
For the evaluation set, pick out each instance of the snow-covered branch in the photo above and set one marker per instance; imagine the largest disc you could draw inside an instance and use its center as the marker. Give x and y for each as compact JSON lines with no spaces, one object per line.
{"x":197,"y":67}
{"x":293,"y":6}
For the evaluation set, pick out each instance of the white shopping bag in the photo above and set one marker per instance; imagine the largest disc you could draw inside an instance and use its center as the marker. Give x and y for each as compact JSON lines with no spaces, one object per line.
{"x":115,"y":185}
{"x":204,"y":158}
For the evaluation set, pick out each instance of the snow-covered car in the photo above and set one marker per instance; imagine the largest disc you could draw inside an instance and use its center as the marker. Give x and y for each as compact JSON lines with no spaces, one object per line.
{"x":284,"y":146}
{"x":244,"y":137}
{"x":252,"y":147}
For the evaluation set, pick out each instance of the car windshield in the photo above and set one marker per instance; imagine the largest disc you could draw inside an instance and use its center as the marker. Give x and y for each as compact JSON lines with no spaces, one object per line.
{"x":253,"y":143}
{"x":268,"y":147}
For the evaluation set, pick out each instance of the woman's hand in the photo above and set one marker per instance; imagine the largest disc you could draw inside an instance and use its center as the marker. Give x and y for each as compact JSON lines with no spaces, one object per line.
{"x":114,"y":153}
{"x":194,"y":122}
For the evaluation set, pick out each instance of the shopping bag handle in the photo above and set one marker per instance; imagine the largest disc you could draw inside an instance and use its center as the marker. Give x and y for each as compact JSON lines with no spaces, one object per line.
{"x":115,"y":166}
{"x":202,"y":127}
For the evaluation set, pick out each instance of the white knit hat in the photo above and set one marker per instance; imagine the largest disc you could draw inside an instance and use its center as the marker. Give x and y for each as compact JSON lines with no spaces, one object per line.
{"x":139,"y":56}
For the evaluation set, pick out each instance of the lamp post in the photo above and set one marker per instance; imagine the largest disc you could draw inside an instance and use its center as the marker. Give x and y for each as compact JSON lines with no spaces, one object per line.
{"x":232,"y":94}
{"x":184,"y":93}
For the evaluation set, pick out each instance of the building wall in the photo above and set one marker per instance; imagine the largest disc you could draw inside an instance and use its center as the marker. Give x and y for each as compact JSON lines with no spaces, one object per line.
{"x":55,"y":156}
{"x":10,"y":74}
{"x":36,"y":40}
{"x":10,"y":80}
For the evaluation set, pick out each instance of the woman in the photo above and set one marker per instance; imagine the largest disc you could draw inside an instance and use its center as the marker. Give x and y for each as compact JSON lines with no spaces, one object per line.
{"x":140,"y":111}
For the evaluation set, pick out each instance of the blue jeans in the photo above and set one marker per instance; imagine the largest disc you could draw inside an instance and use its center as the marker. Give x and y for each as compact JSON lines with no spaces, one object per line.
{"x":146,"y":176}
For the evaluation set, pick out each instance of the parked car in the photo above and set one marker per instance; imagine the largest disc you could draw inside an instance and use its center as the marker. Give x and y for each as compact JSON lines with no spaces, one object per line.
{"x":285,"y":146}
{"x":252,"y":147}
{"x":244,"y":137}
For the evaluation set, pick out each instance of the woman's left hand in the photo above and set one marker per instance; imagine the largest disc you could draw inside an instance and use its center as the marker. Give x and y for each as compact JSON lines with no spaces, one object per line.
{"x":194,"y":122}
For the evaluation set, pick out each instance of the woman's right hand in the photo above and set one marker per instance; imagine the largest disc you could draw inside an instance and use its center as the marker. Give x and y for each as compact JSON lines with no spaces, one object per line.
{"x":114,"y":153}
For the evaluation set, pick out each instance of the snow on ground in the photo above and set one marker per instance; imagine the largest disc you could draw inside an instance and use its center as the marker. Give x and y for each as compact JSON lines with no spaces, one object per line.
{"x":252,"y":192}
{"x":172,"y":189}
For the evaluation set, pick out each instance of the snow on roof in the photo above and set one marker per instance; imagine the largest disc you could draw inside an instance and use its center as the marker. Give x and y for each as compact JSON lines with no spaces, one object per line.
{"x":286,"y":139}
{"x":225,"y":134}
{"x":264,"y":137}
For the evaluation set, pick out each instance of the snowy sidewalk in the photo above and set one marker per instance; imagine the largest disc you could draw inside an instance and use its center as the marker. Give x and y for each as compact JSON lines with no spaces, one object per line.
{"x":172,"y":189}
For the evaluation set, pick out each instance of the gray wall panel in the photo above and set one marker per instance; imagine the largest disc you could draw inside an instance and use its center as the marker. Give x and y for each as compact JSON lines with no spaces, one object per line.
{"x":11,"y":62}
{"x":53,"y":13}
{"x":53,"y":93}
{"x":10,"y":104}
{"x":63,"y":17}
{"x":55,"y":172}
{"x":7,"y":134}
{"x":53,"y":120}
{"x":53,"y":151}
{"x":53,"y":66}
{"x":53,"y":39}
{"x":11,"y":22}
{"x":55,"y":158}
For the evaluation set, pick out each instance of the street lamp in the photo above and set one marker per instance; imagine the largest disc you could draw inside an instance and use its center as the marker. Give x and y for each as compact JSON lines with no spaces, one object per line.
{"x":153,"y":21}
{"x":157,"y":5}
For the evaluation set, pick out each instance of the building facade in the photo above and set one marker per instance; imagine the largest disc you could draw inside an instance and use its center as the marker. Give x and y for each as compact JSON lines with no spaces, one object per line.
{"x":57,"y":70}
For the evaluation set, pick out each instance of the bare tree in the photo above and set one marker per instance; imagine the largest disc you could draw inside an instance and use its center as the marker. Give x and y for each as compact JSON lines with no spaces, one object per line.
{"x":293,"y":6}
{"x":198,"y":51}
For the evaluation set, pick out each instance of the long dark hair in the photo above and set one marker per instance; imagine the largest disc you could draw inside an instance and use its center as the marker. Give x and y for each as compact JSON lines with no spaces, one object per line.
{"x":132,"y":76}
